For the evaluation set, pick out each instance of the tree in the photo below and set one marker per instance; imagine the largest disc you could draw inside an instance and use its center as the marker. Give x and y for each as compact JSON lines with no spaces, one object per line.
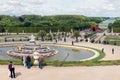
{"x":54,"y":35}
{"x":42,"y":34}
{"x":50,"y":37}
{"x":93,"y":27}
{"x":2,"y":29}
{"x":76,"y":35}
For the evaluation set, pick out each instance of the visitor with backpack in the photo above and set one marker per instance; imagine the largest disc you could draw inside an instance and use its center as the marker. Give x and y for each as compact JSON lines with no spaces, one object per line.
{"x":11,"y":69}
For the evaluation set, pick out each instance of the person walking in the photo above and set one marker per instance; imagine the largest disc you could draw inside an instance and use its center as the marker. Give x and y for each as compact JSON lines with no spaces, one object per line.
{"x":28,"y":60}
{"x":41,"y":59}
{"x":72,"y":43}
{"x":56,"y":40}
{"x":11,"y":69}
{"x":102,"y":49}
{"x":112,"y":50}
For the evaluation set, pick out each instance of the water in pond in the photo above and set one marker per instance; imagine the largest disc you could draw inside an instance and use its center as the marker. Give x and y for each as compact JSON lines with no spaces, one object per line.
{"x":4,"y":56}
{"x":67,"y":54}
{"x":64,"y":54}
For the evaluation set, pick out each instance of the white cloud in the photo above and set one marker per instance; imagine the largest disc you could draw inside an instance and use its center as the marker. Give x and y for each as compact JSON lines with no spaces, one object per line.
{"x":109,"y":7}
{"x":54,"y":7}
{"x":37,"y":2}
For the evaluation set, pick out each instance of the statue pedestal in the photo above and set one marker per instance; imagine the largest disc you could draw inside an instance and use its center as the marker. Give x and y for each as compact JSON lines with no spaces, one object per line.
{"x":36,"y":62}
{"x":36,"y":57}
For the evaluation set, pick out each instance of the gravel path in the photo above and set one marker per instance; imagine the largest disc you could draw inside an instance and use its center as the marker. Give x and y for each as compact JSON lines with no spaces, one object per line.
{"x":63,"y":73}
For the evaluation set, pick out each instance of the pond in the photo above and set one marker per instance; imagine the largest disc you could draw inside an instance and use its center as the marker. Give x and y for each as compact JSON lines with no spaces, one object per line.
{"x":64,"y":54}
{"x":67,"y":54}
{"x":3,"y":54}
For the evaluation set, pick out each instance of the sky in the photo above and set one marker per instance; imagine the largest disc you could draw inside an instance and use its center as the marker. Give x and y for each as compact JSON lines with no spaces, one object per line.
{"x":96,"y":8}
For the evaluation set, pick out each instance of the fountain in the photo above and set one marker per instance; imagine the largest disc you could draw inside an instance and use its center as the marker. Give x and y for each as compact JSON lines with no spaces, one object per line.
{"x":33,"y":49}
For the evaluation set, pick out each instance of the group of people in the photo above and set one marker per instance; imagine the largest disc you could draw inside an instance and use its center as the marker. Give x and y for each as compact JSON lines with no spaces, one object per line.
{"x":26,"y":62}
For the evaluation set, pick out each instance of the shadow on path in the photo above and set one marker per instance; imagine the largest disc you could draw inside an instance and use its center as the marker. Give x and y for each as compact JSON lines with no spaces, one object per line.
{"x":18,"y":74}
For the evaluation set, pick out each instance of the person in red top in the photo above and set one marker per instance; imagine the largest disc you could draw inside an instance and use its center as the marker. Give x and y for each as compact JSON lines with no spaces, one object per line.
{"x":11,"y":69}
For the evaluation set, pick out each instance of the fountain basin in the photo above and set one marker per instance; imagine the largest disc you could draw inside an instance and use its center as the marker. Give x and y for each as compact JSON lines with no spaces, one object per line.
{"x":63,"y":53}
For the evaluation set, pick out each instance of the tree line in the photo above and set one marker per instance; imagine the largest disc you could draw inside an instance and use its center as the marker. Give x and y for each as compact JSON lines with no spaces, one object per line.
{"x":35,"y":23}
{"x":115,"y":26}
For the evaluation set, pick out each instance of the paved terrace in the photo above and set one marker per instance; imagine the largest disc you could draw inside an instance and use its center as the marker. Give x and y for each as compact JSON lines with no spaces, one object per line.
{"x":63,"y":73}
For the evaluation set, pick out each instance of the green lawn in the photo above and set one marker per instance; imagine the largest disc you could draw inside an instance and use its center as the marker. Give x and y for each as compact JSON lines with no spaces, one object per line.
{"x":113,"y":40}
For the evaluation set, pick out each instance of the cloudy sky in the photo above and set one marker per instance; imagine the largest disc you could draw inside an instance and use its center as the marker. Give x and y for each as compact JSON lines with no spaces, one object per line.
{"x":109,"y":8}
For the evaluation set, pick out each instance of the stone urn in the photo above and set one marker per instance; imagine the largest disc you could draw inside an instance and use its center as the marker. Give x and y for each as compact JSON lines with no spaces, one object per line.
{"x":36,"y":57}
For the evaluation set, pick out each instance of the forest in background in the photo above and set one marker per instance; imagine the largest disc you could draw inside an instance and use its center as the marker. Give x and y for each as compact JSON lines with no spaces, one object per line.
{"x":115,"y":26}
{"x":35,"y":23}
